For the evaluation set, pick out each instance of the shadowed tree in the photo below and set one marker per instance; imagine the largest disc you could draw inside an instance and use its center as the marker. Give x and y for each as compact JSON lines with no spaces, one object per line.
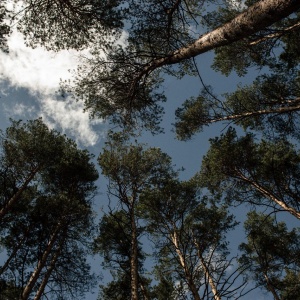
{"x":130,"y":169}
{"x":271,"y":103}
{"x":47,"y":187}
{"x":59,"y":24}
{"x":189,"y":234}
{"x":264,"y":173}
{"x":4,"y":28}
{"x":163,"y":38}
{"x":272,"y":253}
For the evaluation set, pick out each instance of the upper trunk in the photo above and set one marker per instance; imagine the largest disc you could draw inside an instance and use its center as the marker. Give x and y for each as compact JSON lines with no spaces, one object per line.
{"x":269,"y":195}
{"x":134,"y":257}
{"x":207,"y":274}
{"x":188,"y":275}
{"x":41,"y":264}
{"x":51,"y":267}
{"x":259,"y":16}
{"x":19,"y":192}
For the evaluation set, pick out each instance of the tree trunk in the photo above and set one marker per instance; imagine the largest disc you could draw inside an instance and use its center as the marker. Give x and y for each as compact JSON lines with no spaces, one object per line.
{"x":16,"y":249}
{"x":259,"y":16}
{"x":187,"y":273}
{"x":269,"y":195}
{"x":279,"y":110}
{"x":134,"y":257}
{"x":51,"y":268}
{"x":207,"y":274}
{"x":144,"y":290}
{"x":271,"y":287}
{"x":41,"y":263}
{"x":16,"y":196}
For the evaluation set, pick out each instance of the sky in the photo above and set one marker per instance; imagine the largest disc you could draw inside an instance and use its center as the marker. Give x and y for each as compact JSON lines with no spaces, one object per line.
{"x":29,"y":81}
{"x":29,"y":84}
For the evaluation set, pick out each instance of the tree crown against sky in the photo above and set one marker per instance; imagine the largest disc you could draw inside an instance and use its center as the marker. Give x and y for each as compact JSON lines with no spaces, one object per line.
{"x":47,"y":187}
{"x":123,"y":83}
{"x":165,"y":39}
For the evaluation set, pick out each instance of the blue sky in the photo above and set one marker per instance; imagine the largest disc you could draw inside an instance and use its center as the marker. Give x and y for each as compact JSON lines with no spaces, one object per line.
{"x":29,"y":79}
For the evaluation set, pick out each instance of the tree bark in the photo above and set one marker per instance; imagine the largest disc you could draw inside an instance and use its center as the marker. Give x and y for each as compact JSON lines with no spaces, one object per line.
{"x":41,"y":263}
{"x":133,"y":258}
{"x":207,"y":274}
{"x":51,"y":268}
{"x":187,"y":273}
{"x":269,"y":195}
{"x":271,"y":288}
{"x":16,"y":196}
{"x":279,"y":110}
{"x":259,"y":16}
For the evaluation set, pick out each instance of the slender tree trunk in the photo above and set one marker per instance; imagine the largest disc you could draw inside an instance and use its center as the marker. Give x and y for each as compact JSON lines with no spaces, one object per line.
{"x":268,"y":194}
{"x":188,"y":275}
{"x":51,"y":268}
{"x":279,"y":110}
{"x":16,"y":249}
{"x":16,"y":196}
{"x":144,"y":290}
{"x":259,"y":16}
{"x":134,"y":257}
{"x":207,"y":274}
{"x":271,"y":287}
{"x":41,"y":263}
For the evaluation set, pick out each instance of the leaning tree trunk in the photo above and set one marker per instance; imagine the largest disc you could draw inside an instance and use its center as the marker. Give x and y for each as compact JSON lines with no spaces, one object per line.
{"x":15,"y":250}
{"x":271,"y":287}
{"x":208,"y":276}
{"x":259,"y":16}
{"x":41,"y":264}
{"x":269,"y":195}
{"x":19,"y":192}
{"x":51,"y":267}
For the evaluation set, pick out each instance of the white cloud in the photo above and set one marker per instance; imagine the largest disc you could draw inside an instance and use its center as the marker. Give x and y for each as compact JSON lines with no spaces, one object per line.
{"x":35,"y":69}
{"x":40,"y":72}
{"x":19,"y":109}
{"x":237,"y":4}
{"x":68,"y":116}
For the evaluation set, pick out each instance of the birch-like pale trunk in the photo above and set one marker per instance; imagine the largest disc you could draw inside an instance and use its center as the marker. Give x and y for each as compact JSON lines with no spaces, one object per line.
{"x":268,"y":194}
{"x":188,"y":275}
{"x":209,"y":278}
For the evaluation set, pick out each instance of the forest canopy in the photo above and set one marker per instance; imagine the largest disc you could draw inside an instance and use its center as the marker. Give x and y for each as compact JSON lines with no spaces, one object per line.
{"x":150,"y":212}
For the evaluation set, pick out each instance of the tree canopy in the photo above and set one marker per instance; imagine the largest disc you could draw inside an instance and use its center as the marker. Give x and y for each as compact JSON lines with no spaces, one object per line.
{"x":47,"y":183}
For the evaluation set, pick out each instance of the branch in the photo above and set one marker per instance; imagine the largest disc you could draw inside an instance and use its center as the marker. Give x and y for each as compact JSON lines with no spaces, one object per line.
{"x":275,"y":34}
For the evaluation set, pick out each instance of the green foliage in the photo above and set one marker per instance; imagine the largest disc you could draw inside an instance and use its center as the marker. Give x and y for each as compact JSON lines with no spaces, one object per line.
{"x":272,"y":253}
{"x":130,"y":168}
{"x":133,"y":167}
{"x":258,"y":173}
{"x":189,"y":237}
{"x":113,"y":242}
{"x":58,"y":24}
{"x":270,"y":104}
{"x":47,"y":185}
